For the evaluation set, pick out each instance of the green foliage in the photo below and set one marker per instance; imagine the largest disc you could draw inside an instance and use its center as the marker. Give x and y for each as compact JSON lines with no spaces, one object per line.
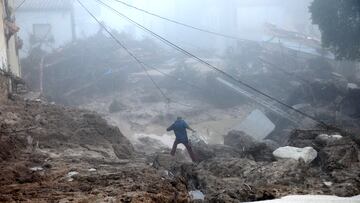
{"x":339,"y":23}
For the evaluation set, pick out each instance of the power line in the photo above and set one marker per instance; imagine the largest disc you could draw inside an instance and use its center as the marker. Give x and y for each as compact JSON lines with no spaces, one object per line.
{"x":142,"y":65}
{"x":214,"y":67}
{"x":180,"y":23}
{"x":22,"y":3}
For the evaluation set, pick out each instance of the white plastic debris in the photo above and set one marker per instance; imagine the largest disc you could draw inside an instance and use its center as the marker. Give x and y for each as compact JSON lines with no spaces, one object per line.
{"x":36,"y":168}
{"x":314,"y":199}
{"x":308,"y":154}
{"x":196,"y":195}
{"x":326,"y":137}
{"x":256,"y":125}
{"x":71,"y":174}
{"x":328,"y":183}
{"x":92,"y":170}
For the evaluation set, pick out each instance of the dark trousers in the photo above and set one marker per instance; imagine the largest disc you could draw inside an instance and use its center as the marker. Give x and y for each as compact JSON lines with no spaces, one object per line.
{"x":188,"y":148}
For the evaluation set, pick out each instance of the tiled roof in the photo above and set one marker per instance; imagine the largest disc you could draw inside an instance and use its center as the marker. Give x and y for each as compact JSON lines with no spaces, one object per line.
{"x":43,"y":4}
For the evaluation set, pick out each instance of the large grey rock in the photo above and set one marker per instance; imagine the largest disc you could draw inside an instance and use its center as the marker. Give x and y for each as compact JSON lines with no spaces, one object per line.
{"x":239,"y":140}
{"x":339,"y":154}
{"x":259,"y":151}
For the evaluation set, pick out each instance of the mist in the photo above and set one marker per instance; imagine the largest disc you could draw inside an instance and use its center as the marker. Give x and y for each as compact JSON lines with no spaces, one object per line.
{"x":180,"y":101}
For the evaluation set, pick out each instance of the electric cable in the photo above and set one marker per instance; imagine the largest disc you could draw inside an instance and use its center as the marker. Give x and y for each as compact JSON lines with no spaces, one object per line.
{"x":19,"y":6}
{"x":180,"y":23}
{"x":142,"y":65}
{"x":215,"y":68}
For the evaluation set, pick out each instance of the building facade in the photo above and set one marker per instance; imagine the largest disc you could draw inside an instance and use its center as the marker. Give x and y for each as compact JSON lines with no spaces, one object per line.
{"x":48,"y":23}
{"x":10,"y":70}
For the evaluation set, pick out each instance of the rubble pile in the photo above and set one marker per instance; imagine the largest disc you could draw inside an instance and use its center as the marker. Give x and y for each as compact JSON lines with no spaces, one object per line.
{"x":331,"y":169}
{"x":54,"y":153}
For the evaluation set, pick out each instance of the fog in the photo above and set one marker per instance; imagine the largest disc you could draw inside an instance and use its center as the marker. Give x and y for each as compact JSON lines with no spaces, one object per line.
{"x":265,"y":109}
{"x":243,"y":19}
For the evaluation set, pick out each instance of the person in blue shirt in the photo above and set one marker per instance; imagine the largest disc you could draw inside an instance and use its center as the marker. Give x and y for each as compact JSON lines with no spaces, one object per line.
{"x":179,"y":127}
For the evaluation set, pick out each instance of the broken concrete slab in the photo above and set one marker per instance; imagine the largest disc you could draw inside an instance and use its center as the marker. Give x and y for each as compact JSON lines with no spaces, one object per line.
{"x":257,"y":125}
{"x":308,"y":154}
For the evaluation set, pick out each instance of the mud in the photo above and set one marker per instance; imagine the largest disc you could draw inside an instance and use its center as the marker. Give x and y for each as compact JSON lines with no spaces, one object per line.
{"x":52,"y":153}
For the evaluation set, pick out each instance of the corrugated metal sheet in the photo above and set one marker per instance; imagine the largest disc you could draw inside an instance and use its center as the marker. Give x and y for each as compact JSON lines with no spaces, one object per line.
{"x":43,"y":4}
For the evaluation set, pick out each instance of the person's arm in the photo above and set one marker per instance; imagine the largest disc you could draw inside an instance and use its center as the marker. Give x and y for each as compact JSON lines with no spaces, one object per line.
{"x":188,"y":127}
{"x":170,"y":128}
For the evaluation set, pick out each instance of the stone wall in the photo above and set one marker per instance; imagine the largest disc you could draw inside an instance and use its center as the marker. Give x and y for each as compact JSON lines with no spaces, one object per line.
{"x":4,"y":81}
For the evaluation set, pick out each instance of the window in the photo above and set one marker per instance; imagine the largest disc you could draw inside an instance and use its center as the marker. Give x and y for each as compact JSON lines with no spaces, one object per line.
{"x":42,"y":32}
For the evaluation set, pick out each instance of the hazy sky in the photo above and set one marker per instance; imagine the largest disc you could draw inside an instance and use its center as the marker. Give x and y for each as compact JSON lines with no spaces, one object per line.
{"x":243,"y":18}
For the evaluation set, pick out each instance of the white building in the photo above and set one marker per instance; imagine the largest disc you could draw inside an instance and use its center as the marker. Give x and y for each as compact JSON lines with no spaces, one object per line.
{"x":52,"y":23}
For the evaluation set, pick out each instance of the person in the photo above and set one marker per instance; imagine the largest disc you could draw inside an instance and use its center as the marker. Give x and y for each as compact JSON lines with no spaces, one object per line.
{"x":179,"y":127}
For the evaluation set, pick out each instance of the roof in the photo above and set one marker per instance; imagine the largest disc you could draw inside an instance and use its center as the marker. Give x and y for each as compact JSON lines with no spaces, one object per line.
{"x":39,"y":5}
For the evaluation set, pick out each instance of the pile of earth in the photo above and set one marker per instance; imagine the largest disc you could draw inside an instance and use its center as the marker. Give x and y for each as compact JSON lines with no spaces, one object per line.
{"x":236,"y":174}
{"x":47,"y":126}
{"x":59,"y":154}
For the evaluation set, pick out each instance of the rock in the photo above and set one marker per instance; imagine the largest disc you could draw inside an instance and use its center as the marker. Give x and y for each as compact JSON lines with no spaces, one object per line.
{"x":324,"y":138}
{"x":70,"y":175}
{"x":116,"y":106}
{"x":339,"y":154}
{"x":352,"y":86}
{"x":239,"y":140}
{"x":167,"y":162}
{"x":308,"y":154}
{"x":271,"y":144}
{"x":259,"y":151}
{"x":92,"y":170}
{"x":149,"y":145}
{"x":36,"y":168}
{"x":196,"y":195}
{"x":202,"y":151}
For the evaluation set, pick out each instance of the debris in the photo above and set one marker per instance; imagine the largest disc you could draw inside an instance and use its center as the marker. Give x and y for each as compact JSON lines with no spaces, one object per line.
{"x":251,"y":125}
{"x":307,"y":154}
{"x":92,"y":170}
{"x":36,"y":168}
{"x":328,"y":138}
{"x":314,"y":198}
{"x":196,"y":195}
{"x":72,"y":173}
{"x":248,"y":146}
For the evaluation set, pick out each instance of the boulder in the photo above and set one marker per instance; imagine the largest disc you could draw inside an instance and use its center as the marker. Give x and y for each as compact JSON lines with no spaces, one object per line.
{"x":339,"y":154}
{"x":307,"y":154}
{"x":245,"y":144}
{"x":239,"y":140}
{"x":202,"y":151}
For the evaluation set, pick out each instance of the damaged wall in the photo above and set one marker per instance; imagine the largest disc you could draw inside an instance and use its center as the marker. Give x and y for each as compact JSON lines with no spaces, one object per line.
{"x":3,"y":89}
{"x":3,"y":54}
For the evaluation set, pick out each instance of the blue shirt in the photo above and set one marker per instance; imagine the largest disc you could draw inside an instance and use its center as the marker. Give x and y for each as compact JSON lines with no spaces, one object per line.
{"x":179,"y":127}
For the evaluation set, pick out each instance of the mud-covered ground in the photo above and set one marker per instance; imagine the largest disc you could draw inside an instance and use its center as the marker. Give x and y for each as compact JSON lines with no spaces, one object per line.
{"x":58,"y":154}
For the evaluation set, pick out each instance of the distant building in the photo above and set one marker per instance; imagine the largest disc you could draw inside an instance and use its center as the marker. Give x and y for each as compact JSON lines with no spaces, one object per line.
{"x":53,"y":23}
{"x":49,"y":23}
{"x":10,"y":70}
